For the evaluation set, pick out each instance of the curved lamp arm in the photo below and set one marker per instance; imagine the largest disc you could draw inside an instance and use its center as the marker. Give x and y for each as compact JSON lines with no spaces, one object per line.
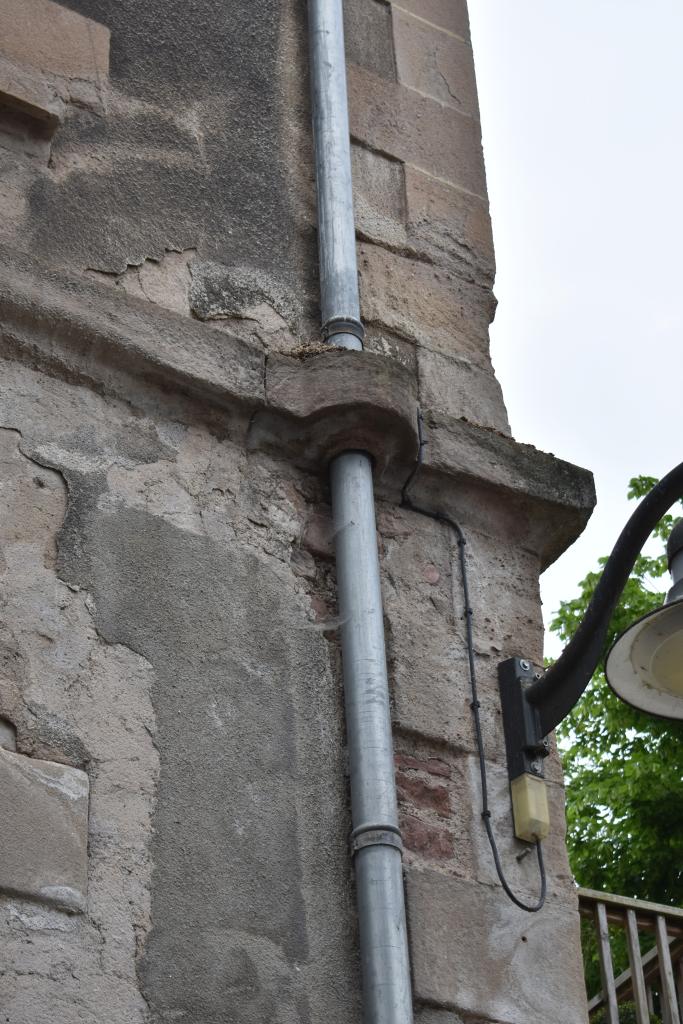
{"x":556,"y":693}
{"x":533,"y":704}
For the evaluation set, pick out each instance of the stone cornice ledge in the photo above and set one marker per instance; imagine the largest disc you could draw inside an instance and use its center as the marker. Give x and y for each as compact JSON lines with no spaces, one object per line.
{"x":89,"y":333}
{"x":307,"y":406}
{"x":533,"y":498}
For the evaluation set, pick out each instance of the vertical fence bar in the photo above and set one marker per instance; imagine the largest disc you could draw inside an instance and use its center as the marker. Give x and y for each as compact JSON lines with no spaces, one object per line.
{"x":606,"y":969}
{"x":664,"y":1006}
{"x":654,"y":981}
{"x":636,"y":964}
{"x":666,"y":973}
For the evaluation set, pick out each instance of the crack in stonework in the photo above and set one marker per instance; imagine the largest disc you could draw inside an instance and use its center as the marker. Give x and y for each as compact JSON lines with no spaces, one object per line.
{"x":445,"y":81}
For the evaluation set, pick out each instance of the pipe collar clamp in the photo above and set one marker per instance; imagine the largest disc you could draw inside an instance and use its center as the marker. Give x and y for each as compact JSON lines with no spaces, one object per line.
{"x":343,"y":325}
{"x":375,"y":835}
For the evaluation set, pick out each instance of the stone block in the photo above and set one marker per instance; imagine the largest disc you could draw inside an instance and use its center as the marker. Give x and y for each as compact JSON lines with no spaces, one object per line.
{"x":543,"y":503}
{"x":447,"y":14}
{"x":318,"y":535}
{"x":458,"y":388}
{"x":435,"y":63}
{"x":368,"y":37}
{"x":474,"y":952}
{"x":522,"y":875}
{"x":391,"y":346}
{"x":504,"y":595}
{"x":28,"y":93}
{"x":425,"y":643}
{"x":432,"y":695}
{"x":44,"y":813}
{"x":379,"y":196}
{"x":443,"y":824}
{"x":54,"y":39}
{"x":451,"y":219}
{"x":416,"y":129}
{"x":429,"y":305}
{"x":426,"y":640}
{"x":57,"y":56}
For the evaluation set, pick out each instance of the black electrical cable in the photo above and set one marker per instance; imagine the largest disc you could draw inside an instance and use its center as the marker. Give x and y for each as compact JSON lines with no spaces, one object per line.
{"x":407,"y":502}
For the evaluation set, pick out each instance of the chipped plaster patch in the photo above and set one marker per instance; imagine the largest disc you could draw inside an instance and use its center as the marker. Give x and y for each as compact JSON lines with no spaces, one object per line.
{"x":165,"y":282}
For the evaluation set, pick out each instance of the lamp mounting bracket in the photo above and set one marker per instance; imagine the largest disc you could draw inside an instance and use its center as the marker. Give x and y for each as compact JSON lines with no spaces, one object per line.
{"x":526,"y":745}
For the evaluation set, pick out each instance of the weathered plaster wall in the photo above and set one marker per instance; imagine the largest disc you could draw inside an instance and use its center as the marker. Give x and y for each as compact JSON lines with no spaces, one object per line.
{"x":168,"y":619}
{"x":160,"y":632}
{"x":200,"y":158}
{"x":167,"y":626}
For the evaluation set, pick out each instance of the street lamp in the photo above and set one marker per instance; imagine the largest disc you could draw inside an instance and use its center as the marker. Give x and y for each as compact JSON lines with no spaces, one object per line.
{"x":644,"y":666}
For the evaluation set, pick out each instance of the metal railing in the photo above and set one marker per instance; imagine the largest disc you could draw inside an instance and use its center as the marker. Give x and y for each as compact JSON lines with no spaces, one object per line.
{"x":653,"y":980}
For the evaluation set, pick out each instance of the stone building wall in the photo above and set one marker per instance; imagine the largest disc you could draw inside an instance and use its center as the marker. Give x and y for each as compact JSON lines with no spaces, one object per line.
{"x":175,"y":799}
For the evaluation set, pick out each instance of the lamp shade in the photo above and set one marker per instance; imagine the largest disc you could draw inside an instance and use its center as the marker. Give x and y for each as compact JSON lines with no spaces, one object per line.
{"x":644,"y":666}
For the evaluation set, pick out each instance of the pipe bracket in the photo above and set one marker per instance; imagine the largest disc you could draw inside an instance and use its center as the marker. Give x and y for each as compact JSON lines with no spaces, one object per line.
{"x":375,"y":835}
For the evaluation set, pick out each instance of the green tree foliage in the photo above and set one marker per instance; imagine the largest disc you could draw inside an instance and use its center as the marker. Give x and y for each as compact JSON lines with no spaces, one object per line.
{"x":627,"y":1015}
{"x":624,"y":769}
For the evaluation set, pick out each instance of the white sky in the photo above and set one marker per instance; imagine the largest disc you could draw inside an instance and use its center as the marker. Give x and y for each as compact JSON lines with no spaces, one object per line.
{"x":583,"y":138}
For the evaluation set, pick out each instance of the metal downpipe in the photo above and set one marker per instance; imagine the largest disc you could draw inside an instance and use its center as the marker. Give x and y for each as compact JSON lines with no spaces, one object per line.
{"x":385,"y":965}
{"x":378,"y":866}
{"x":339,"y":301}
